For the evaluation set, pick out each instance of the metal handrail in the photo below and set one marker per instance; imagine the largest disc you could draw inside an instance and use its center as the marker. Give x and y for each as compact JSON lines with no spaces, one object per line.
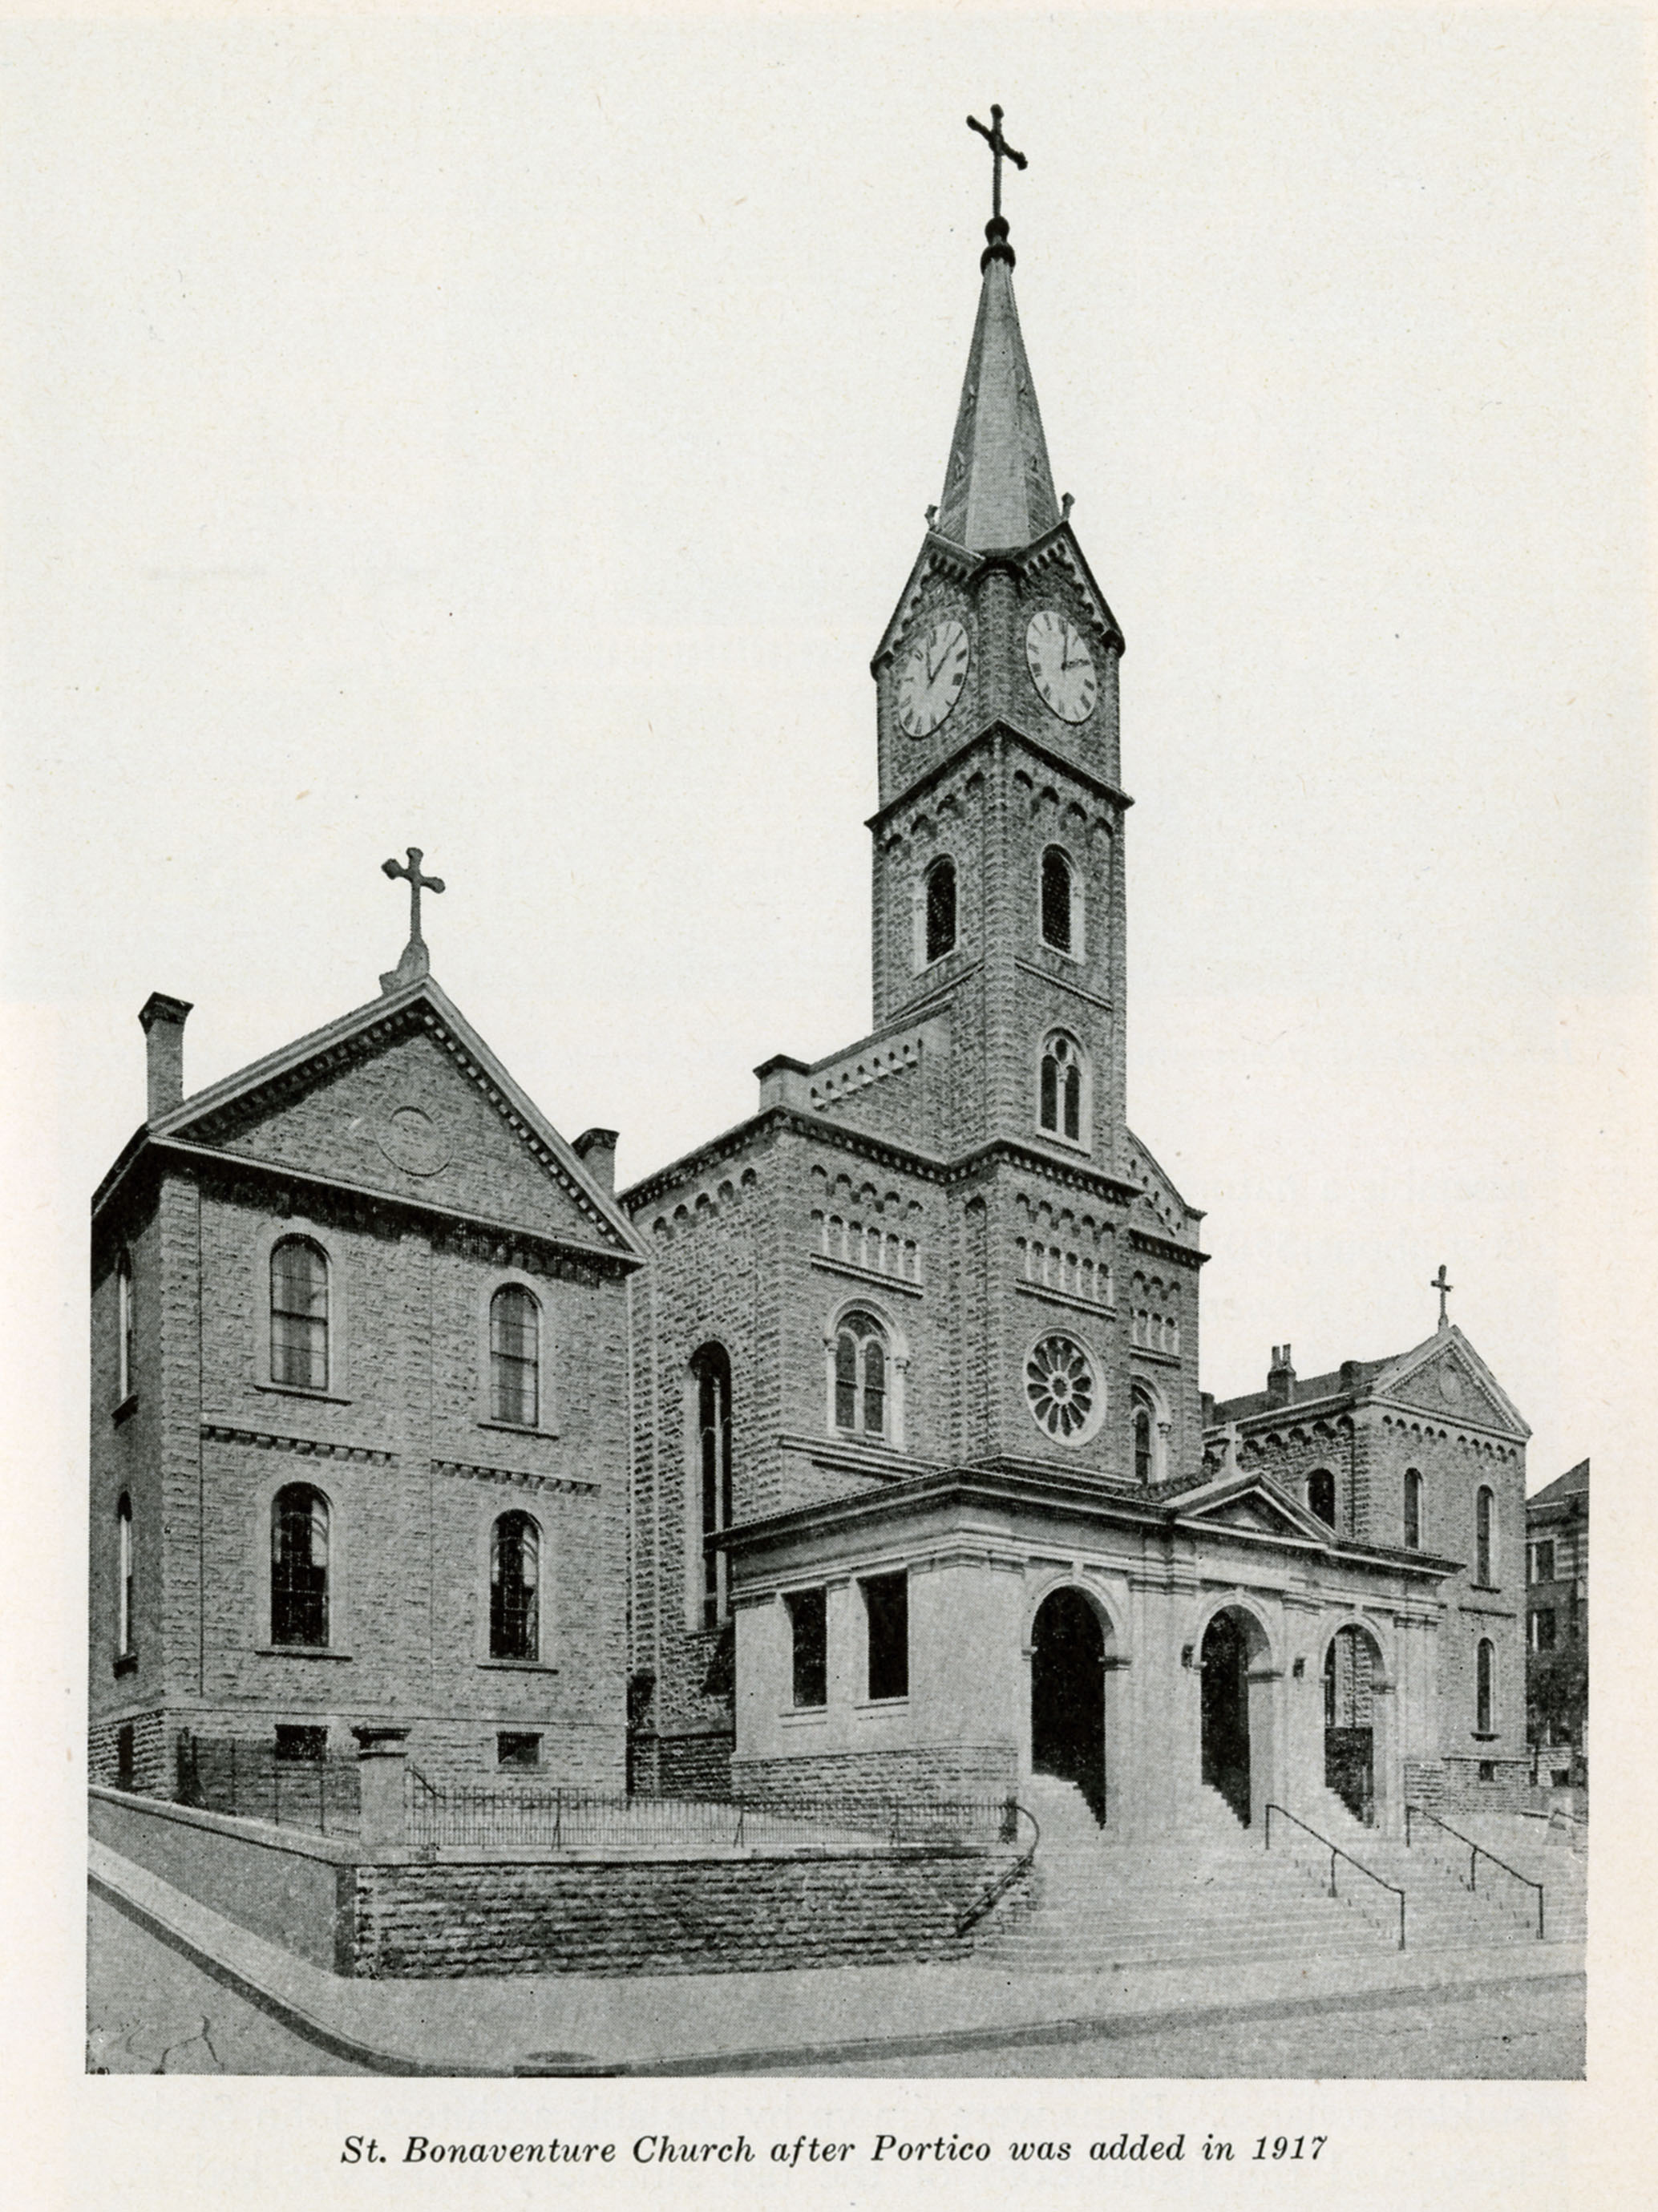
{"x":1476,"y":1852}
{"x":972,"y":1914}
{"x":1336,"y":1852}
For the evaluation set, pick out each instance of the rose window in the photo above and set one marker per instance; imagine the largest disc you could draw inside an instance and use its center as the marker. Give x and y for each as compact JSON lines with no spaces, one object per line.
{"x":1061,"y":1390}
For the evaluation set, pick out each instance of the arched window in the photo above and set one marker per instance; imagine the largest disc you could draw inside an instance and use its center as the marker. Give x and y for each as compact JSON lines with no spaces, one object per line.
{"x":1142,"y":1440}
{"x":1058,"y":921}
{"x":126,"y":1325}
{"x":298,"y":1565}
{"x":1483,"y":1515}
{"x":711,"y":1376}
{"x":1321,"y":1496}
{"x":860,"y":1376}
{"x":299,"y":1315}
{"x":1484,"y":1687}
{"x":124,"y":1578}
{"x":941,"y":909}
{"x":1062,"y":1083}
{"x":515,"y":1588}
{"x":514,"y":1357}
{"x":1330,"y":1685}
{"x":1412,"y":1508}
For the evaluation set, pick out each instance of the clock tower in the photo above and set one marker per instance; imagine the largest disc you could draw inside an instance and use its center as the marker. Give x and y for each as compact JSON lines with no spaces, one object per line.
{"x":998,"y":892}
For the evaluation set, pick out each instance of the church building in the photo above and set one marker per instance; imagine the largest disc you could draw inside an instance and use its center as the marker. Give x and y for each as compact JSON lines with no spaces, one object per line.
{"x":859,"y":1455}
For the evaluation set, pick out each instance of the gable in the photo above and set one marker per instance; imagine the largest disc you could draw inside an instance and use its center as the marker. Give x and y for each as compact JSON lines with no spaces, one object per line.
{"x":1247,"y":1506}
{"x":1453,"y":1384}
{"x":1249,"y":1513}
{"x":399,"y":1112}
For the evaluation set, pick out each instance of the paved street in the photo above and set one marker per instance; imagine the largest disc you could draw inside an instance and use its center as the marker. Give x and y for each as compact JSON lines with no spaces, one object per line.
{"x":1528,"y":2033}
{"x":151,"y":2011}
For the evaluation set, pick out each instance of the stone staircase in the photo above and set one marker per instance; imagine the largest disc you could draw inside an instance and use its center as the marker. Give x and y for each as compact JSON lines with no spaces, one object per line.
{"x":1214,"y":1892}
{"x":1210,"y":1893}
{"x":1433,"y":1871}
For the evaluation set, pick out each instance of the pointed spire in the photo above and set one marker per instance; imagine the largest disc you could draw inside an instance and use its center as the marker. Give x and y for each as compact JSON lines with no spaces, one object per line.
{"x":999,"y":486}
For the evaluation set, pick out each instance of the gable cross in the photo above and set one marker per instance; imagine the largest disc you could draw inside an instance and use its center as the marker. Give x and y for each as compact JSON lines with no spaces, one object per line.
{"x":416,"y":961}
{"x":1444,"y":1289}
{"x":1000,"y":151}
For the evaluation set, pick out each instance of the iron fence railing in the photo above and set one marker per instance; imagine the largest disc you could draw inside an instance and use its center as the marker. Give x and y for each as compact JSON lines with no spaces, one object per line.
{"x":973,"y":1914}
{"x":1476,"y":1852}
{"x":256,"y":1781}
{"x":461,"y":1814}
{"x":1336,"y":1852}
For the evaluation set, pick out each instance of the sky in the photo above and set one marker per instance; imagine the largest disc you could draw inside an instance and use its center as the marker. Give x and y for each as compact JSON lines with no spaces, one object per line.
{"x":510,"y":436}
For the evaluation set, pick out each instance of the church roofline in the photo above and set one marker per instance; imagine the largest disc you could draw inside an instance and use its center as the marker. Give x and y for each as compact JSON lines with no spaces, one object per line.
{"x":1003,"y":1484}
{"x":1373,"y":1383}
{"x":845,"y":1137}
{"x":397,"y":1008}
{"x":997,"y":730}
{"x":165,"y":1149}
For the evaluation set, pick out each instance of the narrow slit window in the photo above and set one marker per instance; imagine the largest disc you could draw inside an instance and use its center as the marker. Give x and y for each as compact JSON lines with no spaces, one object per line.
{"x":1413,"y":1510}
{"x":1057,"y":926}
{"x":126,"y":1331}
{"x":941,"y":909}
{"x":1484,"y":1687}
{"x":712,"y":1378}
{"x":1484,"y":1517}
{"x":123,"y":1643}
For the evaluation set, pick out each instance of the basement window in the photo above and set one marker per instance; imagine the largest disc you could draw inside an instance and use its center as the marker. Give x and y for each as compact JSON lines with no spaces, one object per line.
{"x":309,"y":1744}
{"x":515,"y":1748}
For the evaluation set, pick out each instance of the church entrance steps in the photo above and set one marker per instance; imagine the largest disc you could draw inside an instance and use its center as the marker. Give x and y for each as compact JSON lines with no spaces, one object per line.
{"x":1209,"y":1892}
{"x":1213,"y":1892}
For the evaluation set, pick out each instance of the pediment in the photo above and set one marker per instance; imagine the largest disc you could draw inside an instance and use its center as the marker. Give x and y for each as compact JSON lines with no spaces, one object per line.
{"x":1447,"y":1378}
{"x":405,"y":1098}
{"x":1248,"y":1506}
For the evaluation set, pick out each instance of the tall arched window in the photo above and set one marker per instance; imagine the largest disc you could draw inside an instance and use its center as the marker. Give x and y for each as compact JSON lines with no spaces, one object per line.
{"x":1412,"y":1508}
{"x":1330,"y":1685}
{"x":299,"y":1315}
{"x":1484,"y":1513}
{"x":941,"y":909}
{"x":515,"y":1588}
{"x":1063,"y":1079}
{"x":126,"y":1328}
{"x":298,"y":1565}
{"x":1142,"y":1440}
{"x":860,"y":1376}
{"x":1321,"y":1495}
{"x":1484,"y":1687}
{"x":1059,"y":922}
{"x":514,"y":1357}
{"x":711,"y":1376}
{"x":124,"y":1578}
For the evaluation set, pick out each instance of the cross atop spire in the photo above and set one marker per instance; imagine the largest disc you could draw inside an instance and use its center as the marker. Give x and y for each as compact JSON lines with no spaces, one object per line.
{"x":996,"y":228}
{"x":417,"y":961}
{"x":1444,"y":1289}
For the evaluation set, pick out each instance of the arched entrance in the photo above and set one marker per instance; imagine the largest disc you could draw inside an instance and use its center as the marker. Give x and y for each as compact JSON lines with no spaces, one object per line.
{"x":1353,"y":1670}
{"x":1067,"y":1694}
{"x":1226,"y":1710}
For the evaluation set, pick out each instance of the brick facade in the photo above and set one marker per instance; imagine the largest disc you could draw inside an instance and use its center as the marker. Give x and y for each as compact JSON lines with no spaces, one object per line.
{"x":399,"y":1440}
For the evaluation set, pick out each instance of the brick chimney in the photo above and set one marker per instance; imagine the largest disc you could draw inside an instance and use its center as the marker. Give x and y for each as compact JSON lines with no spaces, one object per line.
{"x":782,"y":1083}
{"x":163,"y":1020}
{"x":596,"y":1150}
{"x":1280,"y":1378}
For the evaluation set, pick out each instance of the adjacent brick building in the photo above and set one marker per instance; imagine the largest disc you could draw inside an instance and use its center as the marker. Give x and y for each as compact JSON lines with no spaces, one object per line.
{"x":1557,"y":1626}
{"x":359,"y":1364}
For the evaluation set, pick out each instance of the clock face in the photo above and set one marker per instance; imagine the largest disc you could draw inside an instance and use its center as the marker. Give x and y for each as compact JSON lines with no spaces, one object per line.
{"x":931,"y":678}
{"x":1061,"y":666}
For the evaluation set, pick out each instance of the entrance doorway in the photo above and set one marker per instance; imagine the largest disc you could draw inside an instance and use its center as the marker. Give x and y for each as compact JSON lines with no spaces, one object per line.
{"x":1226,"y":1712}
{"x":1350,"y":1721}
{"x":1067,"y":1694}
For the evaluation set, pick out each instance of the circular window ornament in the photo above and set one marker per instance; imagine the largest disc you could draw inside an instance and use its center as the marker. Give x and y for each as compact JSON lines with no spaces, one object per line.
{"x":1450,"y":1383}
{"x":1065,"y":1396}
{"x":410,"y":1140}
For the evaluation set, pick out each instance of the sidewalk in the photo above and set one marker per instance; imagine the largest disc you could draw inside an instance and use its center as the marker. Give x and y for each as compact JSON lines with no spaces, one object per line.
{"x":700,"y":2024}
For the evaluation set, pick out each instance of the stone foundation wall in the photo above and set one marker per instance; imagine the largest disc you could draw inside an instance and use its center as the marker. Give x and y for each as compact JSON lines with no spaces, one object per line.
{"x":697,"y":1763}
{"x":857,"y":1780}
{"x":152,"y":1770}
{"x":666,"y":1916}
